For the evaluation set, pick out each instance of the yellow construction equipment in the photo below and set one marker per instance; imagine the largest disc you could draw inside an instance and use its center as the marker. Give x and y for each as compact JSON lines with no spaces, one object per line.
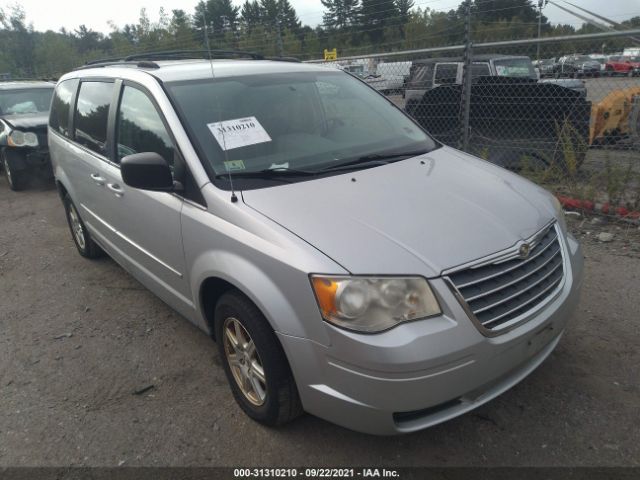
{"x":331,"y":54}
{"x":616,"y":117}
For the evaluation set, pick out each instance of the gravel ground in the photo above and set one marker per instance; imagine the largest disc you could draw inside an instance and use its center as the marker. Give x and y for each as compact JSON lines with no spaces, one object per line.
{"x":79,"y":338}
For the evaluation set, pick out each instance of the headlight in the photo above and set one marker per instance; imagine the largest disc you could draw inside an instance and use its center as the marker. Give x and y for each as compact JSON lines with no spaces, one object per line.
{"x":373,"y":304}
{"x":562,"y":221}
{"x":18,"y":138}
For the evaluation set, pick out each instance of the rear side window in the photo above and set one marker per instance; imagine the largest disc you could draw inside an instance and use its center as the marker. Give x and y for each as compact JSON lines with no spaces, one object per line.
{"x":419,"y":77}
{"x":479,"y":70}
{"x":91,"y":116}
{"x":140,"y":127}
{"x":446,"y":73}
{"x":61,"y":106}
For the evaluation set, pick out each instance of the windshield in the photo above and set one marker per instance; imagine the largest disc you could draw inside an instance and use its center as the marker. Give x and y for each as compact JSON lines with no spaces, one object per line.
{"x":303,"y":121}
{"x":515,"y":67}
{"x":17,"y":102}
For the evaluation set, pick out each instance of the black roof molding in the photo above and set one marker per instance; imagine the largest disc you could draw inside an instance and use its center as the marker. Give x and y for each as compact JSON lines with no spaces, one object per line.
{"x":148,"y":60}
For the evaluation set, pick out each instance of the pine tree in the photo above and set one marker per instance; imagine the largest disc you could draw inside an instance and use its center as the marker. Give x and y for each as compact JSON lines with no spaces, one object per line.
{"x":288,"y":16}
{"x":340,"y":14}
{"x":376,"y":15}
{"x":250,"y":14}
{"x":404,"y":10}
{"x":278,"y":13}
{"x":221,"y":16}
{"x":496,"y":10}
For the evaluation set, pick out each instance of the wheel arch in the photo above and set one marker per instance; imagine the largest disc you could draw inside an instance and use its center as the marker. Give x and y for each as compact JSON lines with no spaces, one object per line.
{"x":63,"y":185}
{"x":62,"y":190}
{"x":287,"y":304}
{"x":210,"y":292}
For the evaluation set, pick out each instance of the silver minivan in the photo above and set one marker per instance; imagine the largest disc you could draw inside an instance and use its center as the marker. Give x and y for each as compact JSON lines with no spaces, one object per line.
{"x":346,"y":264}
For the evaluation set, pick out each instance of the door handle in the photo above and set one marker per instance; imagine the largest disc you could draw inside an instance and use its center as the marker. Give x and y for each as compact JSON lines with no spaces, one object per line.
{"x":97,"y":178}
{"x":116,"y":189}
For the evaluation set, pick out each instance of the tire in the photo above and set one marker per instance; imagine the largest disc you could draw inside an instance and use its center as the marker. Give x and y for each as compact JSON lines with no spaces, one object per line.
{"x":15,"y":179}
{"x":280,"y":404}
{"x":79,"y":233}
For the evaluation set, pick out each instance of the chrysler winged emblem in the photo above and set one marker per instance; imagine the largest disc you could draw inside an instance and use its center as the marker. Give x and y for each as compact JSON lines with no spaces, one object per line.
{"x":523,"y":250}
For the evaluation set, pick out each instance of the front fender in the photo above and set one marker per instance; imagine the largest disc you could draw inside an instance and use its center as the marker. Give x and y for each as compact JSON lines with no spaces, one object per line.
{"x":260,"y":258}
{"x":287,"y":303}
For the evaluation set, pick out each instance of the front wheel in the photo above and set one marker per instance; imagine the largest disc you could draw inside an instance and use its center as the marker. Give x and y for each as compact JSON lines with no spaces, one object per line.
{"x":16,"y":179}
{"x":254,"y":362}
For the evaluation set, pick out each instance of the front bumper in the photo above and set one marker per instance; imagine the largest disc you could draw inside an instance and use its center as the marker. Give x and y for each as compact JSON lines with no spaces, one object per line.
{"x":588,"y":71}
{"x":28,"y":158}
{"x":425,"y":372}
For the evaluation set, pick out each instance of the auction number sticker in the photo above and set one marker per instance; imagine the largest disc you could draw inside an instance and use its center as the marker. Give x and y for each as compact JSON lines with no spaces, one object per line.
{"x":237,"y":133}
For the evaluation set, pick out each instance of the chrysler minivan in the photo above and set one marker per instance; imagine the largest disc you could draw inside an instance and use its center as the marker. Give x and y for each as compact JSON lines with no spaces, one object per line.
{"x":345,"y":263}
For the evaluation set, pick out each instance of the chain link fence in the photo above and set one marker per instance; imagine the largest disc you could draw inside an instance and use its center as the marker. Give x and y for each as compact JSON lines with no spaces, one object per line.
{"x":558,"y":111}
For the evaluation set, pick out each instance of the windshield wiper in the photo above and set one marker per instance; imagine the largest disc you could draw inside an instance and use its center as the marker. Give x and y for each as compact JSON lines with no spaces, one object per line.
{"x":360,"y":162}
{"x":268,"y":173}
{"x":373,"y":160}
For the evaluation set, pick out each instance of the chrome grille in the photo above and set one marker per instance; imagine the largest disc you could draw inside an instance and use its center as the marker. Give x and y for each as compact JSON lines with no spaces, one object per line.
{"x":499,"y":292}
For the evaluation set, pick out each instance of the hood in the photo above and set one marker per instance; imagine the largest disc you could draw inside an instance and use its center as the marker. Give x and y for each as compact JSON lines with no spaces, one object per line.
{"x":29,"y":121}
{"x":408,"y":217}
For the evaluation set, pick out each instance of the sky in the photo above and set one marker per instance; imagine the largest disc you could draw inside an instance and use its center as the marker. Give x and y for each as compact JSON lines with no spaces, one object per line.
{"x":96,"y":14}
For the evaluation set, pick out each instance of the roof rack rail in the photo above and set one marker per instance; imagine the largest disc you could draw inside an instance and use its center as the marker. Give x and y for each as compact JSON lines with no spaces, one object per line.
{"x":186,"y":54}
{"x":110,"y":63}
{"x":147,"y":60}
{"x":284,"y":59}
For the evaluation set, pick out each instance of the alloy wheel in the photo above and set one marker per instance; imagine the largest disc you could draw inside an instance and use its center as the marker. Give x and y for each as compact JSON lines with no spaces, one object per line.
{"x":244,"y":361}
{"x":76,"y":227}
{"x":7,"y":171}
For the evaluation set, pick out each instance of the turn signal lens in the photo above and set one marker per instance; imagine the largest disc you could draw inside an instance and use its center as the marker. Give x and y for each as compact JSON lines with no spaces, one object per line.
{"x":325,"y":294}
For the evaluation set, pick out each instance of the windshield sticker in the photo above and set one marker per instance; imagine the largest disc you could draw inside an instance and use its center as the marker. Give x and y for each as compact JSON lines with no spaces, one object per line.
{"x":237,"y":133}
{"x":280,"y":166}
{"x":234,"y":165}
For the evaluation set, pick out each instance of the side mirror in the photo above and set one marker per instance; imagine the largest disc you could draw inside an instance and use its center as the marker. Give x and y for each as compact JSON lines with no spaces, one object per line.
{"x":147,"y":171}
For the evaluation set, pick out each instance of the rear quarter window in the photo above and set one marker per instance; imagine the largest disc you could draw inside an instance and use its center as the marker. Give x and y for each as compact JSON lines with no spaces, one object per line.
{"x":92,"y":114}
{"x":61,"y":106}
{"x":420,"y":76}
{"x":446,"y":73}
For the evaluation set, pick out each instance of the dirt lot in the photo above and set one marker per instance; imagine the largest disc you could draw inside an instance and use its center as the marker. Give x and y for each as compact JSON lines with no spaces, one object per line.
{"x":79,"y":337}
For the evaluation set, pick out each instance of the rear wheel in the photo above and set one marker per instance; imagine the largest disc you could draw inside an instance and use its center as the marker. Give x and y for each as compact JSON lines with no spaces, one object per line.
{"x":81,"y":236}
{"x":16,"y":179}
{"x":254,"y":362}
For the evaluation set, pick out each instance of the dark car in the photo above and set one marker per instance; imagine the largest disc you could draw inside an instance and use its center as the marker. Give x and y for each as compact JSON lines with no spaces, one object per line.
{"x":545,"y":66}
{"x":577,"y":66}
{"x":430,"y":73}
{"x":24,"y":114}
